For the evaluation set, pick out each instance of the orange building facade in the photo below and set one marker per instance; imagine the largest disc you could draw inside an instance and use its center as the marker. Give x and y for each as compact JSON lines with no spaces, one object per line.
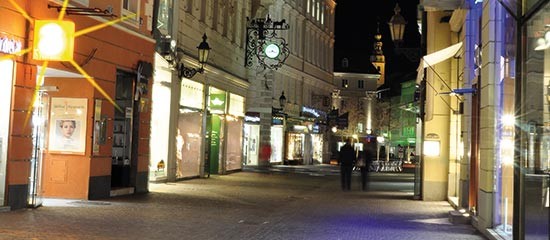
{"x":77,"y":130}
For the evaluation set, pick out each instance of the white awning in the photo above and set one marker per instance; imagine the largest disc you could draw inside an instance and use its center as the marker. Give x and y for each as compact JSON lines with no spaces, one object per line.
{"x":435,"y":58}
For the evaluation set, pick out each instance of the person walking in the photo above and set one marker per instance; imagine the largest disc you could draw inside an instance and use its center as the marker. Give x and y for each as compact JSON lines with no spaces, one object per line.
{"x":347,"y":161}
{"x":364,"y":165}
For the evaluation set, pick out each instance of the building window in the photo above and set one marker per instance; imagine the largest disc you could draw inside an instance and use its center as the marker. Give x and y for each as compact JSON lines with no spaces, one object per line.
{"x":360,"y":127}
{"x":345,"y":63}
{"x":361,"y":84}
{"x":345,"y":83}
{"x":131,"y":7}
{"x":318,"y":11}
{"x":81,"y":2}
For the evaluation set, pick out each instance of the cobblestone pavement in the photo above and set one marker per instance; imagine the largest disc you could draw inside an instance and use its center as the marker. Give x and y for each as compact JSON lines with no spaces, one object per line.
{"x":243,"y":205}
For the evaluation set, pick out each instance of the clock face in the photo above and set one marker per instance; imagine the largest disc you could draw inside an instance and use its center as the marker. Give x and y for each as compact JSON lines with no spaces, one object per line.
{"x":272,"y":50}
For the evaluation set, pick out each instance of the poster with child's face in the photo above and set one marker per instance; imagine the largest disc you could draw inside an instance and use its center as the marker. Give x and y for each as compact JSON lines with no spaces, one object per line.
{"x":67,"y":133}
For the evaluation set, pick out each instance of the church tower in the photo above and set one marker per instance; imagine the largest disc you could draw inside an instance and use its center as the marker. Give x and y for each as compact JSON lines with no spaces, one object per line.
{"x":377,"y":58}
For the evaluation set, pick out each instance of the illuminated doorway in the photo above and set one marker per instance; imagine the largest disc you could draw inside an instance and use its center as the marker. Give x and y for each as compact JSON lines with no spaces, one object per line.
{"x":7,"y":70}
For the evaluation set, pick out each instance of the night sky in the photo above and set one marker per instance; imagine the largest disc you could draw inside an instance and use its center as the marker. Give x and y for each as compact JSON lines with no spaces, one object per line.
{"x":355,"y":27}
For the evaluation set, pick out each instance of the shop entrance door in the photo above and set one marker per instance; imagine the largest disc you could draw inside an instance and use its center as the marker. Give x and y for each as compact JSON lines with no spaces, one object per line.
{"x":122,"y":131}
{"x":39,"y":121}
{"x":6,"y":83}
{"x":251,"y":143}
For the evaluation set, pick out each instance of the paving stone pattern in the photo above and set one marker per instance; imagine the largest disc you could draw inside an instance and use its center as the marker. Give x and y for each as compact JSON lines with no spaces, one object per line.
{"x":244,"y":205}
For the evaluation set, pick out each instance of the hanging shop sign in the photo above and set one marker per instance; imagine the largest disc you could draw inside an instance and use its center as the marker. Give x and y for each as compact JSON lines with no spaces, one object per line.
{"x":278,"y":120}
{"x":252,"y":117}
{"x":10,"y":46}
{"x":314,"y":113}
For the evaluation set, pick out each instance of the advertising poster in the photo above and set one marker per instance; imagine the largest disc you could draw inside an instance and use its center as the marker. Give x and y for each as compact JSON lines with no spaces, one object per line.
{"x":68,"y":125}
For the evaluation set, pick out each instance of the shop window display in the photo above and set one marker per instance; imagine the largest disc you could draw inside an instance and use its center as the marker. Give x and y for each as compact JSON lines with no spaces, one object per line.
{"x":535,"y":126}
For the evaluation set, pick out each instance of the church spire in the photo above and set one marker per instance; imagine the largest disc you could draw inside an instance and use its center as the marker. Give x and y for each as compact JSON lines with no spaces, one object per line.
{"x":377,"y":58}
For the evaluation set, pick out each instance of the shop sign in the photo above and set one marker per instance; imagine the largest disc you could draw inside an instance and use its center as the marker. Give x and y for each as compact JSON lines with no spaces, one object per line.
{"x":217,"y":103}
{"x":10,"y":46}
{"x":252,"y":117}
{"x":306,"y":111}
{"x":310,"y":111}
{"x":277,"y":120}
{"x":315,"y":128}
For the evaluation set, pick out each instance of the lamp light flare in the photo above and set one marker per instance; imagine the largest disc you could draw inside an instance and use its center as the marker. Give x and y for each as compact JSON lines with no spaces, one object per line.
{"x":508,"y":120}
{"x":52,"y":40}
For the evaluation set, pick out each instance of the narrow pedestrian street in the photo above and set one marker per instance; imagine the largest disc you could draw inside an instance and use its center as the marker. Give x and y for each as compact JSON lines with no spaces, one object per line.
{"x":268,"y":204}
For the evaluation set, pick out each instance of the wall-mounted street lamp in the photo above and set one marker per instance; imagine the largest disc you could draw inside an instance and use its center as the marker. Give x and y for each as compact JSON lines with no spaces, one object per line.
{"x":397,"y":25}
{"x":169,"y":50}
{"x":282,"y":101}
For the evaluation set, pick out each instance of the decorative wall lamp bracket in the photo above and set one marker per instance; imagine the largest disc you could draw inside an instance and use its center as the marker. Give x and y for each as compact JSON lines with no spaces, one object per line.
{"x":262,"y":41}
{"x":186,"y":72}
{"x":85,"y":11}
{"x":169,"y":50}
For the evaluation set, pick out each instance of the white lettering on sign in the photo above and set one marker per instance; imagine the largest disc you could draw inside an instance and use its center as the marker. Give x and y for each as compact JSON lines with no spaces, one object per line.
{"x":310,"y":110}
{"x":9,"y":46}
{"x":251,"y":119}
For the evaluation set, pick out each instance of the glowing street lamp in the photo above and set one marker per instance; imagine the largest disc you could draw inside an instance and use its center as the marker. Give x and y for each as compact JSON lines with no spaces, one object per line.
{"x":53,"y":40}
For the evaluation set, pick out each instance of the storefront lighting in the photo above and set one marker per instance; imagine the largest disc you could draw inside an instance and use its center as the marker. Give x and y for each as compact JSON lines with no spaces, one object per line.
{"x":508,"y":120}
{"x":380,"y":139}
{"x":543,"y":42}
{"x":53,"y":40}
{"x":299,"y":127}
{"x":334,"y":129}
{"x":432,"y":145}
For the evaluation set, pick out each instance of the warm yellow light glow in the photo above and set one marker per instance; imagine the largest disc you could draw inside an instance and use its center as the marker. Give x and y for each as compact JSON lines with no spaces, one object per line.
{"x":508,"y":120}
{"x":53,"y":40}
{"x":95,"y":85}
{"x":21,"y":10}
{"x":334,"y":129}
{"x":431,"y":148}
{"x":40,"y":82}
{"x":354,"y":136}
{"x":507,"y":144}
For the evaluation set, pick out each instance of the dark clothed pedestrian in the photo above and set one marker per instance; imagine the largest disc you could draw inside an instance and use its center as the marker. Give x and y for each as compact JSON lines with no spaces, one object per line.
{"x":347,"y":161}
{"x":367,"y":159}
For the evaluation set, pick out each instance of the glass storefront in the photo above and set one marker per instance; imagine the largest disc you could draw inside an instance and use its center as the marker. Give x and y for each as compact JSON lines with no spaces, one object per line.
{"x":188,"y":142}
{"x":317,"y":143}
{"x":534,"y":158}
{"x":277,"y":133}
{"x":7,"y":69}
{"x":295,"y":148}
{"x":251,"y":143}
{"x":160,"y":120}
{"x":505,"y":97}
{"x":189,"y":130}
{"x":234,"y":123}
